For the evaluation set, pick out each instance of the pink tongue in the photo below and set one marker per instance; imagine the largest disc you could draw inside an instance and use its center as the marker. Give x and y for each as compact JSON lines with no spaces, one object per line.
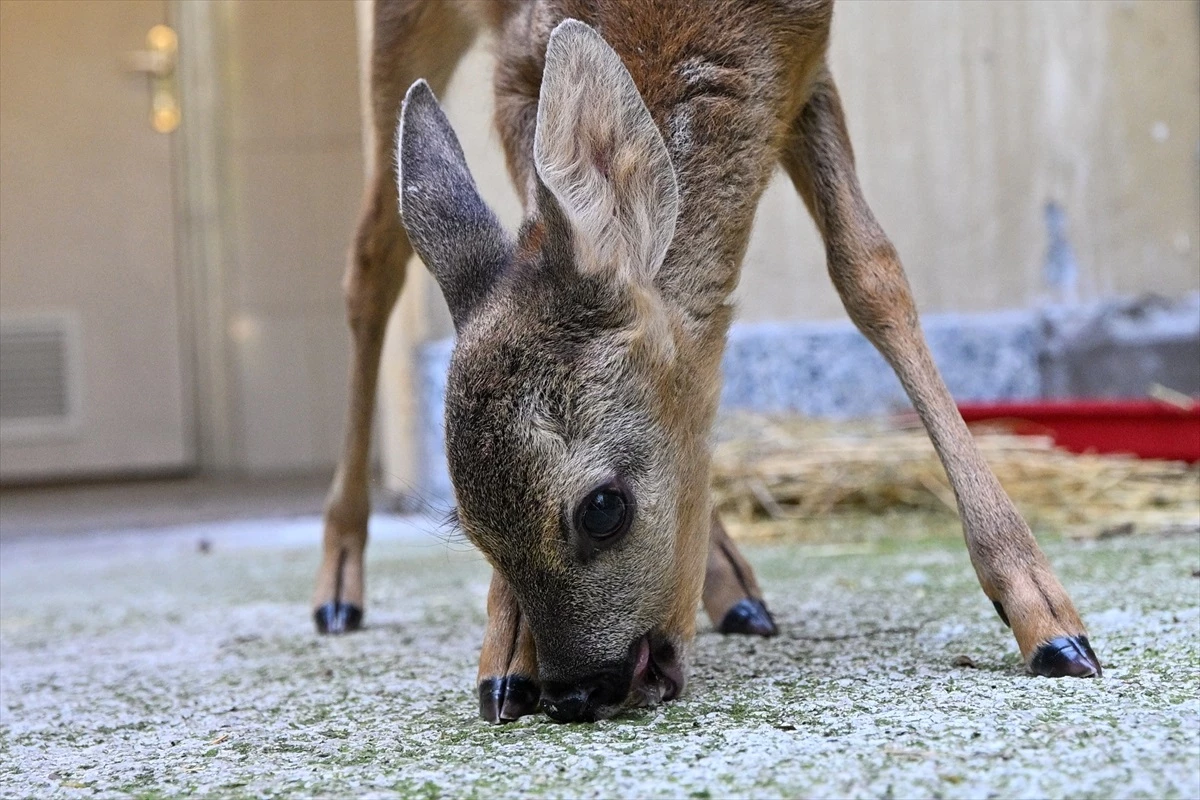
{"x":643,"y":662}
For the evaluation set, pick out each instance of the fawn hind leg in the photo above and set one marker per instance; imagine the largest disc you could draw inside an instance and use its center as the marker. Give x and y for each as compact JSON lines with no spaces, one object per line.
{"x":411,"y":40}
{"x":731,"y":596}
{"x":866,"y":271}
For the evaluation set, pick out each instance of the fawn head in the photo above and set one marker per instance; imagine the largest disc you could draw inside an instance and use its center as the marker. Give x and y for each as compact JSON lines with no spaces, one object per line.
{"x":575,"y":424}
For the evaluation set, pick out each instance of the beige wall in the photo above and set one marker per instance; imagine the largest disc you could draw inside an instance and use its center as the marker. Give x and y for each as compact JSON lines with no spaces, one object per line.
{"x":292,"y":176}
{"x":969,"y":117}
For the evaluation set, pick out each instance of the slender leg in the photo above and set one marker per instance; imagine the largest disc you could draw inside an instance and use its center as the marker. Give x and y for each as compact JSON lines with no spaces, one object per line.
{"x":372,"y":284}
{"x":508,"y":683}
{"x":731,"y":597}
{"x":865,"y":269}
{"x":412,"y":40}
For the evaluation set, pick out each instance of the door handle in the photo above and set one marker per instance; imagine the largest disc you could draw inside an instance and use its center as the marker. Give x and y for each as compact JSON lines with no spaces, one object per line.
{"x":157,"y":62}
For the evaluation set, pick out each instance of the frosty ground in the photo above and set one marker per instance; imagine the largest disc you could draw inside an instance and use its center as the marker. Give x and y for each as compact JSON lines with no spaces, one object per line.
{"x":182,"y":661}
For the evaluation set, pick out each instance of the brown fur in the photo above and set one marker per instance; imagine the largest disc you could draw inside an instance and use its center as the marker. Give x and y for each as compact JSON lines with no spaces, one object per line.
{"x":535,"y":413}
{"x":728,"y":577}
{"x":508,"y":648}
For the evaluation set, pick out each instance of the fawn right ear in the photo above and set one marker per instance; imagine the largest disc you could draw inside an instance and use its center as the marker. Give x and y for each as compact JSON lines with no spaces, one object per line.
{"x":450,"y":226}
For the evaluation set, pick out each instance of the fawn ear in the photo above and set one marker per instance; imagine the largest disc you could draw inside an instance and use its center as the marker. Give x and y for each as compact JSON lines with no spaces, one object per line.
{"x":450,"y":226}
{"x":598,"y":151}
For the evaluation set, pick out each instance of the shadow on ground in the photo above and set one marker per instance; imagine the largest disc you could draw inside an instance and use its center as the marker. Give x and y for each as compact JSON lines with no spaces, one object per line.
{"x":145,"y":665}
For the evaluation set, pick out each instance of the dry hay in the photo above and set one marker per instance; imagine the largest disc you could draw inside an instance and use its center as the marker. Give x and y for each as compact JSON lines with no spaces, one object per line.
{"x":772,"y":475}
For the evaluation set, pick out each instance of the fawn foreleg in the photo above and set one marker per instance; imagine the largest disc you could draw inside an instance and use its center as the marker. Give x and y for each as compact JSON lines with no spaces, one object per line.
{"x":868,"y":276}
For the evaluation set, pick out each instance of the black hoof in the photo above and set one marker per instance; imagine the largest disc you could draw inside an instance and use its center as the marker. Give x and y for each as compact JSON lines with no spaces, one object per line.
{"x":338,"y":618}
{"x":749,"y":616}
{"x":508,"y":698}
{"x":1066,"y":656}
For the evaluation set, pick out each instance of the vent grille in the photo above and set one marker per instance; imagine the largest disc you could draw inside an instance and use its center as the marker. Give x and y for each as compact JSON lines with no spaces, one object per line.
{"x":37,"y":391}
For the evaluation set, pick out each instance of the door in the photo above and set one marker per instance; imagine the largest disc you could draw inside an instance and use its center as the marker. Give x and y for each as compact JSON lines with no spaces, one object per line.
{"x":91,"y":371}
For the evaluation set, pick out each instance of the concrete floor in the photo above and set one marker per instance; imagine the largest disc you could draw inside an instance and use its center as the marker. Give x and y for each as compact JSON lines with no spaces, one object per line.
{"x":138,"y":663}
{"x":155,"y":503}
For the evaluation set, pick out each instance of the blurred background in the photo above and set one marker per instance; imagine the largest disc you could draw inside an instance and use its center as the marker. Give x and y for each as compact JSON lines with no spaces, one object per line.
{"x":179,"y":180}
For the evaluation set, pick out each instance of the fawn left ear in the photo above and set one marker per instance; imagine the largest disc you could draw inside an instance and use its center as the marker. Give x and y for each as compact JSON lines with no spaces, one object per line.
{"x":450,"y":226}
{"x":598,"y":151}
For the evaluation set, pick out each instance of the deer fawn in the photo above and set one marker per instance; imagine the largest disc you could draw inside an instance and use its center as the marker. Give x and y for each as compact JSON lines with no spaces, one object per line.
{"x":585,"y":377}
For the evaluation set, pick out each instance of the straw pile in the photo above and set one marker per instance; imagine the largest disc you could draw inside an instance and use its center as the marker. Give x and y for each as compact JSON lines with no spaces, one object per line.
{"x":772,"y":474}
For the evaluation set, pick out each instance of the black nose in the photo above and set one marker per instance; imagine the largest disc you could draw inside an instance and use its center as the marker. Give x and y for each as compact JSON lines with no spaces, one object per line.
{"x":580,"y":701}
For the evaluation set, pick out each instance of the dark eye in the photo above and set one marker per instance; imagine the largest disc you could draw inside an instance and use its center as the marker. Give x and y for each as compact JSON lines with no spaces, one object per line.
{"x":605,"y":512}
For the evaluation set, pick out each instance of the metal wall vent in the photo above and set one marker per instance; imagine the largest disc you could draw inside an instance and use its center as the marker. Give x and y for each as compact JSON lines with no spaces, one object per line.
{"x":39,"y":386}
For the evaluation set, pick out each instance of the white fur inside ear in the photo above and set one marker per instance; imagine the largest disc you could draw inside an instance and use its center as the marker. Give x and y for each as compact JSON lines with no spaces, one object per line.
{"x":599,"y":152}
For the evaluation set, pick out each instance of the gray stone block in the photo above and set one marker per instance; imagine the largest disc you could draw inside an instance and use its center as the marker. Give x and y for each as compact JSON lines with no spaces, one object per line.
{"x":1121,"y":348}
{"x":433,"y":362}
{"x":819,"y":369}
{"x":831,"y":370}
{"x":828,"y":369}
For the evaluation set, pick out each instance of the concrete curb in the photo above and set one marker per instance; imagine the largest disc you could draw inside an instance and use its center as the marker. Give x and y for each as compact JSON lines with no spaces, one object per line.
{"x":1118,"y":348}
